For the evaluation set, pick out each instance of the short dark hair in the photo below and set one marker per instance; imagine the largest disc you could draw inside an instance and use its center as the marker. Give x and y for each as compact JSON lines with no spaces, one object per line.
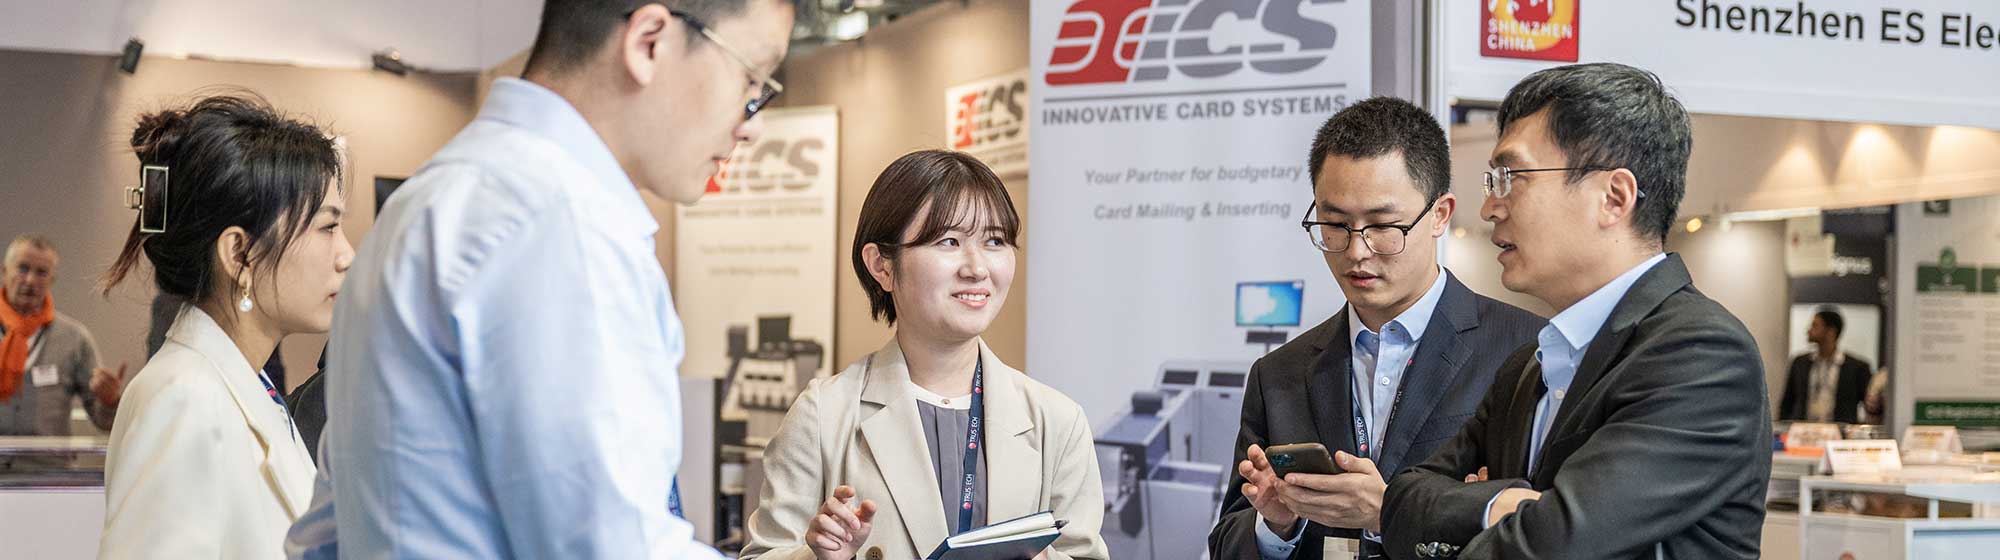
{"x":572,"y":31}
{"x":232,"y":161}
{"x":1612,"y":115}
{"x":1378,"y":126}
{"x":955,"y":188}
{"x":1831,"y":318}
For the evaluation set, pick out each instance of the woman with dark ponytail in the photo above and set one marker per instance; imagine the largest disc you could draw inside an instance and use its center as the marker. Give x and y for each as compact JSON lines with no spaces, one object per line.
{"x":204,"y":461}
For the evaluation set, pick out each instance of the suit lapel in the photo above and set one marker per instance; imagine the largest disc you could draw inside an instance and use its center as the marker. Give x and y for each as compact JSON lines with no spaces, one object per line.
{"x":895,"y":440}
{"x":1645,"y":295}
{"x":1519,"y":424}
{"x":1012,"y":491}
{"x":1330,"y":387}
{"x":1434,"y":369}
{"x":267,"y":421}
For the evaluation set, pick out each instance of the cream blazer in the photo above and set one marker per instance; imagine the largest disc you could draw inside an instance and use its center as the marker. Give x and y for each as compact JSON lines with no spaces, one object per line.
{"x":860,"y":428}
{"x":202,"y":464}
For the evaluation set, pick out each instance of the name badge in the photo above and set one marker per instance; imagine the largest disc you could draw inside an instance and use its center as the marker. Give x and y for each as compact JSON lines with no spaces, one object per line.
{"x":44,"y":375}
{"x":1341,"y":549}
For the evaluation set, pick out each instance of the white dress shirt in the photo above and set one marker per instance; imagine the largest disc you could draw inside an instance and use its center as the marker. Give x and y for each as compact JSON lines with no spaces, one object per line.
{"x":1825,"y":378}
{"x":502,"y":372}
{"x":1377,"y":365}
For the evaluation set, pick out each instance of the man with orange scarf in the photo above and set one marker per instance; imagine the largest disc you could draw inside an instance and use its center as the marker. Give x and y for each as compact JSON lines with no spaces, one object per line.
{"x":46,"y":358}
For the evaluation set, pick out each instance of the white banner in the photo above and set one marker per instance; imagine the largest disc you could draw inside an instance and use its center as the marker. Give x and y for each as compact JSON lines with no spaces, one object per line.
{"x":1916,"y":62}
{"x":757,"y":253}
{"x":1948,"y":311}
{"x":989,"y":119}
{"x":1169,"y":173}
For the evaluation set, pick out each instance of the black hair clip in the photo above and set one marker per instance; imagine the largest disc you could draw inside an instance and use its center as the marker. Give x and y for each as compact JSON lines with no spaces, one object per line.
{"x":150,"y":199}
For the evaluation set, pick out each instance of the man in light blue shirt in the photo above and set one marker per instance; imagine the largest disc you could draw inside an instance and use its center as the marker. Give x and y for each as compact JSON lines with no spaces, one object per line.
{"x":502,"y":376}
{"x":1637,"y":426}
{"x":1387,"y":379}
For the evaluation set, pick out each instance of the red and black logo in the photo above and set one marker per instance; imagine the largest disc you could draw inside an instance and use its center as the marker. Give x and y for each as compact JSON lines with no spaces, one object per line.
{"x":772,"y":166}
{"x":1125,"y":41}
{"x":996,"y":113}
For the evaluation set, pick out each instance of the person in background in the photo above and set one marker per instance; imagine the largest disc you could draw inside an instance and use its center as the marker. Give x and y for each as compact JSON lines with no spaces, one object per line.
{"x":1387,"y":379}
{"x":930,"y":436}
{"x":1638,"y":424}
{"x":204,"y":462}
{"x":1827,"y":385}
{"x":47,"y":359}
{"x":501,"y":378}
{"x":308,"y":405}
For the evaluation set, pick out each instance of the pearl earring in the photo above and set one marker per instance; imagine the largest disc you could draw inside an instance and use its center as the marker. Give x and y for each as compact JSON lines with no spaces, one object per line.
{"x":245,"y":305}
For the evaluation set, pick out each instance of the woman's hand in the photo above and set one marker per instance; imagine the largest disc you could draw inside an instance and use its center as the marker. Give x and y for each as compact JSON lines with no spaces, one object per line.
{"x":839,"y":529}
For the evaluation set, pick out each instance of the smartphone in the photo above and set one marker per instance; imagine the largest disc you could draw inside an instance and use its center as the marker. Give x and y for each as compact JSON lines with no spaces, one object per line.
{"x":1308,"y":458}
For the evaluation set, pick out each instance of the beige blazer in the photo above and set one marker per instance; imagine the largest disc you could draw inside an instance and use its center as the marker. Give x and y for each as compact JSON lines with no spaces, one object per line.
{"x":202,"y":464}
{"x":860,"y":428}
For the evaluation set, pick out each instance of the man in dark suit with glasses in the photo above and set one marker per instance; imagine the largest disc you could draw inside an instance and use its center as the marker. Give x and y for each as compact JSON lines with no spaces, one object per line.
{"x":1389,"y":377}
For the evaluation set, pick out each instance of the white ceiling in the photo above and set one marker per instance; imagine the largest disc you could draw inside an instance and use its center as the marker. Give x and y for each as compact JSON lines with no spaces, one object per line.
{"x":435,"y":35}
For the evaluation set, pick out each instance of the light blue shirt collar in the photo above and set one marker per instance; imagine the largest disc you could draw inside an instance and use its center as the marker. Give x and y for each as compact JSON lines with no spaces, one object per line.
{"x":529,"y":106}
{"x":1575,"y":327}
{"x":1414,"y":320}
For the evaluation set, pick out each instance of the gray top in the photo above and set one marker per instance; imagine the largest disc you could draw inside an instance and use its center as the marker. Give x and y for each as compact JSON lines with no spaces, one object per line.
{"x":38,"y":409}
{"x":944,"y":430}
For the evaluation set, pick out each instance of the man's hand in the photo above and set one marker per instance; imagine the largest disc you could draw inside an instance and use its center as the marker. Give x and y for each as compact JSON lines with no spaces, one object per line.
{"x":1352,"y":500}
{"x":1261,"y":488}
{"x":1476,"y":477}
{"x":108,"y":385}
{"x":839,"y":529}
{"x":1508,"y":502}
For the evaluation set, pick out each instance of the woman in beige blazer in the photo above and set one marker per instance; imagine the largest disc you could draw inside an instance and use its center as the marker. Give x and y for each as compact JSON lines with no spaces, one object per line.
{"x":244,"y":223}
{"x":869,"y":463}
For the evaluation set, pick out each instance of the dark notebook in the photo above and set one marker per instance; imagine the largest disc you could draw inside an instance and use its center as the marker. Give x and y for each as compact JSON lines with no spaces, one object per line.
{"x":1020,"y":538}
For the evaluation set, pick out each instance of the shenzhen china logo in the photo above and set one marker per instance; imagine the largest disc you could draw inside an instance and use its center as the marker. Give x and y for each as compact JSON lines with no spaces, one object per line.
{"x":1135,"y":41}
{"x":1529,"y":29}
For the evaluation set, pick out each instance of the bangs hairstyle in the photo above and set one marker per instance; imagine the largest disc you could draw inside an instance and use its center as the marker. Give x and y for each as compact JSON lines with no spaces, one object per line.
{"x":940,"y":190}
{"x":232,"y":160}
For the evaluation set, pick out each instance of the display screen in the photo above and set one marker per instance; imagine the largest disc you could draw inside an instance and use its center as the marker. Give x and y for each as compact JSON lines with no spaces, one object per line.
{"x":1269,"y":304}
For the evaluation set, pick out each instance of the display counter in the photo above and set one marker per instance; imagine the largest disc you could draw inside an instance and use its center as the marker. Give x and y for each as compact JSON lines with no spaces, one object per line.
{"x":51,"y":496}
{"x":1918,"y":512}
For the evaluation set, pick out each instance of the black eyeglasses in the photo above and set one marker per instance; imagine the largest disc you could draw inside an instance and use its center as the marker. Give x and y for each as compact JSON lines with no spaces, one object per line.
{"x":768,"y":87}
{"x":1499,"y":181}
{"x":1381,"y":239}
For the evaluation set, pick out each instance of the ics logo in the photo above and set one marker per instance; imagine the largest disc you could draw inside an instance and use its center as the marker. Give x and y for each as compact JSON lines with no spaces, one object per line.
{"x":771,"y":166}
{"x":1530,"y":29}
{"x":989,"y":114}
{"x":1127,"y":41}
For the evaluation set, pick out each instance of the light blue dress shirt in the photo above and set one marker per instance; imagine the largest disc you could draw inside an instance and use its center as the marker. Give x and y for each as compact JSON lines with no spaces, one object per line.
{"x":1562,"y":343}
{"x":1378,"y":361}
{"x":502,"y":376}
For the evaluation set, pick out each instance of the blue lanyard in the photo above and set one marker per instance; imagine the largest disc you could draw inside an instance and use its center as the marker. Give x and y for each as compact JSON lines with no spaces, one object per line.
{"x":273,"y":391}
{"x":972,"y":433}
{"x":1361,"y":436}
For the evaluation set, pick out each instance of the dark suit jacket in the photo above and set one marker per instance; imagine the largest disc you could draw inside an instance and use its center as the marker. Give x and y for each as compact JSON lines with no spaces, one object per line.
{"x":1664,"y":439}
{"x":308,"y":407}
{"x":1850,"y":386}
{"x":1468,"y":336}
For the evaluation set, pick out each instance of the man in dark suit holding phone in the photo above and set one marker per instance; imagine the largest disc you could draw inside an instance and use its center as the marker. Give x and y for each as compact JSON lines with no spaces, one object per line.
{"x":1391,"y":376}
{"x":1637,"y":426}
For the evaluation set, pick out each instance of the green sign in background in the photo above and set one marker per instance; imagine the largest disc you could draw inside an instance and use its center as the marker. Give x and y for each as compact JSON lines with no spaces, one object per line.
{"x":1963,"y":414}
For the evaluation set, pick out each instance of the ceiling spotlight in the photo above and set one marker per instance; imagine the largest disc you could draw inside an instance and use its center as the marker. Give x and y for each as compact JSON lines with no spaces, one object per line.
{"x":1458,"y":233}
{"x":1694,"y":225}
{"x":391,"y":61}
{"x":129,"y":61}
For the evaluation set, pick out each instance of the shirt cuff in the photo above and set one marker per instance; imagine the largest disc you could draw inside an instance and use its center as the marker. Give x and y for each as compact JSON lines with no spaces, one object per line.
{"x":1486,"y":516}
{"x":1274,"y":547}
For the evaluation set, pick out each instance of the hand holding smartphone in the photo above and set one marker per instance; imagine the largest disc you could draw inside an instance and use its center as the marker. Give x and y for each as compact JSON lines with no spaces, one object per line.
{"x":1308,"y":458}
